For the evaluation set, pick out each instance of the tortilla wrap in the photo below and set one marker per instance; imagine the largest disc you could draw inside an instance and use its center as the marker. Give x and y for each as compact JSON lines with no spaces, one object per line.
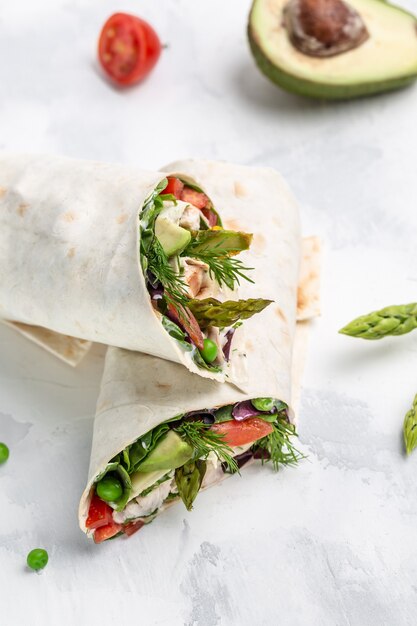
{"x":69,"y":251}
{"x":138,"y":392}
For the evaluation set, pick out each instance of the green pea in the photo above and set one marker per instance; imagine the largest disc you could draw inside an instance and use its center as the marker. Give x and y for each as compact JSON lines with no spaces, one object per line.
{"x":37,"y":559}
{"x":4,"y":453}
{"x":109,"y":488}
{"x":263,"y":404}
{"x":209,"y":352}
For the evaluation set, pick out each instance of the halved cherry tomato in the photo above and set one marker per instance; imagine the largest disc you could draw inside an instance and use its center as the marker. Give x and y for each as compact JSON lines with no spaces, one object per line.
{"x":196,"y":198}
{"x":99,"y":513}
{"x":128,"y":48}
{"x":187,"y":321}
{"x":210,"y":216}
{"x":175,"y":186}
{"x":201,"y":201}
{"x":240,"y":433}
{"x":132,"y":527}
{"x":106,"y":532}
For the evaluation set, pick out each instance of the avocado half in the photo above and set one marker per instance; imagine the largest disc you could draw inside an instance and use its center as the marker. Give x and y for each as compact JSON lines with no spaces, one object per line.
{"x":387,"y":60}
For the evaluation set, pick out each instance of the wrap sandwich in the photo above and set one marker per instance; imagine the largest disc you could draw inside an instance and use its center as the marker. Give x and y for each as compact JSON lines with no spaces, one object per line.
{"x":134,"y":259}
{"x":160,"y":434}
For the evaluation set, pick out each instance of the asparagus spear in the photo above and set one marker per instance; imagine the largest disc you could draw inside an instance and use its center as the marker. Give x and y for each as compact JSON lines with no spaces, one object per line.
{"x":410,"y":428}
{"x":393,"y":320}
{"x":212,"y":312}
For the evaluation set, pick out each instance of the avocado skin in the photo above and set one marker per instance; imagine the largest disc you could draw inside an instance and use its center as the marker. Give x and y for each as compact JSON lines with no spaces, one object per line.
{"x":323,"y":91}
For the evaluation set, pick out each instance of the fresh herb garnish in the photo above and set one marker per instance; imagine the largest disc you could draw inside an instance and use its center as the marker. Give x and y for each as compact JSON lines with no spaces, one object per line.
{"x":175,"y":290}
{"x":225,"y":270}
{"x":205,"y":441}
{"x":278,"y":446}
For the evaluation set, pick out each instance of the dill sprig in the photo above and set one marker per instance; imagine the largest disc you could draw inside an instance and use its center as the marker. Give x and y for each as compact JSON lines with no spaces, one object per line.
{"x":158,"y":264}
{"x":205,"y":441}
{"x":224,"y":269}
{"x":279,"y":447}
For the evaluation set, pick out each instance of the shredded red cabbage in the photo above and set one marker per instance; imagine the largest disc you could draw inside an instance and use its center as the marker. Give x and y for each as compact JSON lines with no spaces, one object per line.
{"x":241,"y":460}
{"x":227,"y":346}
{"x":205,"y":415}
{"x":244,"y":410}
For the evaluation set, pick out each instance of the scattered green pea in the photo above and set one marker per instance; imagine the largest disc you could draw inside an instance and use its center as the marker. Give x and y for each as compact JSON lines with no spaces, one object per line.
{"x":37,"y":559}
{"x":109,"y":488}
{"x":209,"y":352}
{"x":4,"y":453}
{"x":263,"y":404}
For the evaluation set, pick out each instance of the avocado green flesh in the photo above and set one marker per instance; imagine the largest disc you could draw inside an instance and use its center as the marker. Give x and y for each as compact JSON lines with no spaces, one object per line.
{"x":172,"y":238}
{"x":170,"y":453}
{"x":386,"y":61}
{"x":144,"y":480}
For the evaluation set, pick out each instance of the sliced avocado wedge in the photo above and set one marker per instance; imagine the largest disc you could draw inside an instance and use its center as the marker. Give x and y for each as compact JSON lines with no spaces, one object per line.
{"x":382,"y":55}
{"x":172,"y":238}
{"x":171,"y":452}
{"x":144,"y":480}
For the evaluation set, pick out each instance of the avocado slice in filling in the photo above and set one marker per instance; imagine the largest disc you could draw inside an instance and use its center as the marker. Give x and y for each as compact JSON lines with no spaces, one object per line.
{"x":173,"y":239}
{"x":171,"y":452}
{"x":334,"y":49}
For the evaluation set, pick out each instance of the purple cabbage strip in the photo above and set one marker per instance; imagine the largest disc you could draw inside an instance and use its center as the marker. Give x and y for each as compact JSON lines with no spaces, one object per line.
{"x":206,"y":416}
{"x":241,"y":460}
{"x":262,"y":454}
{"x":155,"y":288}
{"x":244,"y":410}
{"x":227,"y":346}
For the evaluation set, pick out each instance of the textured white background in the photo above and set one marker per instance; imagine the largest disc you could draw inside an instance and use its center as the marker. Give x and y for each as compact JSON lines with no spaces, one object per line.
{"x":332,"y":543}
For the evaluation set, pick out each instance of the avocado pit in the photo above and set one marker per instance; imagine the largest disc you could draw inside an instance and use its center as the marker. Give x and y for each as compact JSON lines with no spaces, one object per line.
{"x":324,"y":28}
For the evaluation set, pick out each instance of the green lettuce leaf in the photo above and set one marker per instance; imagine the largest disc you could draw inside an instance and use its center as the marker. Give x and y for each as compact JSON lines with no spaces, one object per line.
{"x":140,"y":449}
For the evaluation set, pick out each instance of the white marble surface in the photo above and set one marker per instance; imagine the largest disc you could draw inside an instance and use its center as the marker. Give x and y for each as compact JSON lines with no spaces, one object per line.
{"x":332,"y":543}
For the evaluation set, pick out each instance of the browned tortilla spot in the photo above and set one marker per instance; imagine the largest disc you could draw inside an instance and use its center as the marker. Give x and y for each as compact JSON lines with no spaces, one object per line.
{"x":121,"y":218}
{"x":239,"y":189}
{"x":2,"y":192}
{"x":232,"y":225}
{"x":301,"y":298}
{"x":71,"y":253}
{"x":68,"y":216}
{"x":22,"y":208}
{"x":280,"y":313}
{"x":258,"y":243}
{"x":164,"y":386}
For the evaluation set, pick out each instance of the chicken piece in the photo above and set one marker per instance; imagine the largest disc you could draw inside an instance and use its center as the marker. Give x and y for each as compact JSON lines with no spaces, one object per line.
{"x":195,"y":276}
{"x":190,"y":219}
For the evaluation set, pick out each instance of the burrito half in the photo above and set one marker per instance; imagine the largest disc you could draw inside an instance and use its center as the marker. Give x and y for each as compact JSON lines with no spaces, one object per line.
{"x":134,"y":259}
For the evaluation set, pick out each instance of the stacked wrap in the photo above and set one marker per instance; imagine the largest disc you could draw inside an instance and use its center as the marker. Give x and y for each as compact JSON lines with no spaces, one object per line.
{"x":69,"y":257}
{"x":138,"y":392}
